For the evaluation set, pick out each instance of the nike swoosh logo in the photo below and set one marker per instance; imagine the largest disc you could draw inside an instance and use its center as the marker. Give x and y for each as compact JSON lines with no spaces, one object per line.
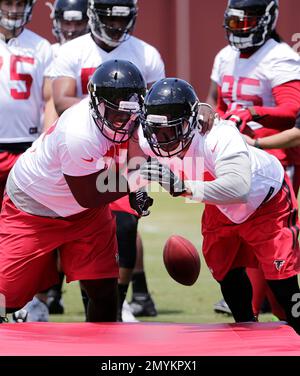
{"x":88,"y":159}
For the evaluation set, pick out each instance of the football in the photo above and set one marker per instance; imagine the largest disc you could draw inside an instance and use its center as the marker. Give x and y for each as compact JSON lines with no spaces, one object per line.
{"x":181,"y":260}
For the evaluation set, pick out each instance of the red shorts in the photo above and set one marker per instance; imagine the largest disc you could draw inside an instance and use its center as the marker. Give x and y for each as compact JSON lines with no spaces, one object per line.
{"x":7,"y":160}
{"x":123,"y":205}
{"x":268,"y":238}
{"x":87,"y":244}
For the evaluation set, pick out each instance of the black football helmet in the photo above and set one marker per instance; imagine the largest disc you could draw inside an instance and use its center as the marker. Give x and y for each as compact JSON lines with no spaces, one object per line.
{"x":13,"y":21}
{"x":249,"y":23}
{"x":170,"y":116}
{"x":117,"y":89}
{"x":70,"y":19}
{"x":112,"y":21}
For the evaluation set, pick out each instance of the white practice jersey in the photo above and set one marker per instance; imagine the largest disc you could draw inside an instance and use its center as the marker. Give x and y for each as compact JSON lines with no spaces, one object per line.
{"x":249,"y":81}
{"x":73,"y":146}
{"x":80,"y":57}
{"x":24,"y":63}
{"x":223,"y":141}
{"x":55,"y":49}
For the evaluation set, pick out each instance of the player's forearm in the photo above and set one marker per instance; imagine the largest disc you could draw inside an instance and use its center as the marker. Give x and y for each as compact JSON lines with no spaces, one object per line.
{"x":50,"y":115}
{"x":231,"y":186}
{"x":287,"y":139}
{"x":282,"y":116}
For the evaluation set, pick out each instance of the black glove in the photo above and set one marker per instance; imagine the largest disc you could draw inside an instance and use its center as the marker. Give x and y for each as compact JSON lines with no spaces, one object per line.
{"x":140,"y":202}
{"x":155,"y":171}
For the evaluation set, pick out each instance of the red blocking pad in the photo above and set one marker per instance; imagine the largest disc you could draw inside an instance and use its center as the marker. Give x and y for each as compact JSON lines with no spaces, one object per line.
{"x":148,"y":339}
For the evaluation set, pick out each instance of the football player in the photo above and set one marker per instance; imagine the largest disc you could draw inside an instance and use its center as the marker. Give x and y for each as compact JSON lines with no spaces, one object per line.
{"x":25,"y":89}
{"x":257,"y":78}
{"x":111,"y":23}
{"x":58,"y":194}
{"x":25,"y":60}
{"x":250,"y":216}
{"x":70,"y":20}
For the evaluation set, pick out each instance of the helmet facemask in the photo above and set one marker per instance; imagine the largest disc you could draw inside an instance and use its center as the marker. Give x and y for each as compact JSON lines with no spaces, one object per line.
{"x":14,"y":21}
{"x":116,"y":122}
{"x":102,"y":23}
{"x":247,"y":29}
{"x":169,"y":137}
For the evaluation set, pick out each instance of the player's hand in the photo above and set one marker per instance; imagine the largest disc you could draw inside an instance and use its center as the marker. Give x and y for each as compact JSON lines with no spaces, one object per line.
{"x":240,"y":117}
{"x":155,"y":171}
{"x":140,"y":202}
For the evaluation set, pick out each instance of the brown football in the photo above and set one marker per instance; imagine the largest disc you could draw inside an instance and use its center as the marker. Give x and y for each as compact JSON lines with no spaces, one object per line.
{"x":181,"y":260}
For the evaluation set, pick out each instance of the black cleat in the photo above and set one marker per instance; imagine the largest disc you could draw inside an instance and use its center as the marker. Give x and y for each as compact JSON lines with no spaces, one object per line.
{"x":3,"y":319}
{"x":142,"y":305}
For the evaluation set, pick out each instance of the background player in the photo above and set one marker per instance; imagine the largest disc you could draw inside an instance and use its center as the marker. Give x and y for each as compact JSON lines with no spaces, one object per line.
{"x":26,"y":89}
{"x":111,"y":23}
{"x":257,"y":78}
{"x":56,"y":197}
{"x":249,"y":193}
{"x":25,"y":60}
{"x":69,"y":19}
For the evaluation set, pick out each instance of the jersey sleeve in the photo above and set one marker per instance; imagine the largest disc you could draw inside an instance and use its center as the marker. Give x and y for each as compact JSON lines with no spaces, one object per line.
{"x":283,"y":68}
{"x":46,"y":58}
{"x":80,"y":157}
{"x":155,"y":66}
{"x":63,"y":64}
{"x":215,"y":73}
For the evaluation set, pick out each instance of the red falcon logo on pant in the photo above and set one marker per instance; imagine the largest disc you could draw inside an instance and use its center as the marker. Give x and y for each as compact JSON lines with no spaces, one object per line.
{"x":278,"y":264}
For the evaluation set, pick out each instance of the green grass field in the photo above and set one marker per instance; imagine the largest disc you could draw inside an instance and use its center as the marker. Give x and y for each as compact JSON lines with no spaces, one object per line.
{"x":175,"y":302}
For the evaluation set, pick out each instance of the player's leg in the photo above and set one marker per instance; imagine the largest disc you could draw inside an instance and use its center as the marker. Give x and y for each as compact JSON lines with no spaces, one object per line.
{"x":54,"y":294}
{"x":259,"y":288}
{"x":225,"y":256}
{"x":91,"y":256}
{"x":287,"y":293}
{"x":126,"y":236}
{"x":25,"y":269}
{"x":237,"y":291}
{"x":103,"y":298}
{"x":142,"y":303}
{"x":273,"y":234}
